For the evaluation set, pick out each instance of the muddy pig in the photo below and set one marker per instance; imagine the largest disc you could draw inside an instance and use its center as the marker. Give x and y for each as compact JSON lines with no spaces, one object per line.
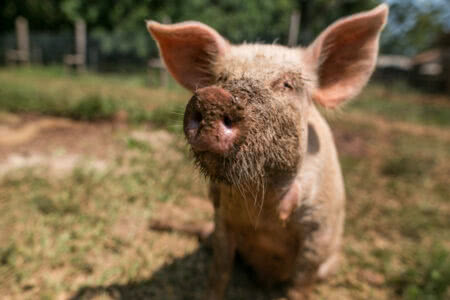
{"x":255,"y":132}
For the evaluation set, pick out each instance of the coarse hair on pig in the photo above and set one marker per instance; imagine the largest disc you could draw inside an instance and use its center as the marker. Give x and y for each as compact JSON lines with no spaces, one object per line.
{"x":255,"y":132}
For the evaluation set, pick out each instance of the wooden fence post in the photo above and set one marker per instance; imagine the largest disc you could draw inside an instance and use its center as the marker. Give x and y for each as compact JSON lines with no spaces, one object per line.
{"x":81,"y":42}
{"x":78,"y":60}
{"x":23,"y":39}
{"x":22,"y":53}
{"x":294,"y":28}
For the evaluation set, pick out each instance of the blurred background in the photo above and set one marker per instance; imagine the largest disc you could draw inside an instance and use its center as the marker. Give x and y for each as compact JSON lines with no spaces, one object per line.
{"x":91,"y":149}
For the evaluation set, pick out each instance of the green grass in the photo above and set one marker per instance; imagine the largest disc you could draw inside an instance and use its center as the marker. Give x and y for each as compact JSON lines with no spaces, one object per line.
{"x":394,"y":103}
{"x":52,"y":91}
{"x":169,"y":117}
{"x":426,"y":276}
{"x":84,"y":233}
{"x":71,"y":220}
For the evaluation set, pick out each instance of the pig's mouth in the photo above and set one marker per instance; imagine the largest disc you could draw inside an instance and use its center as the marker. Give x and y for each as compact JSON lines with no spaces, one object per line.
{"x":216,"y":167}
{"x":236,"y":168}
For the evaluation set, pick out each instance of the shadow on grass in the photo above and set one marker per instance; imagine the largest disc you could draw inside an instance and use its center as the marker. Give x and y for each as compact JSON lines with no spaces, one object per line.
{"x":184,"y":278}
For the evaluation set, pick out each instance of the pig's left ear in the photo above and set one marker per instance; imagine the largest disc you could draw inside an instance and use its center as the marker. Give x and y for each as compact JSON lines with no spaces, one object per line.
{"x":188,"y":50}
{"x":345,"y":54}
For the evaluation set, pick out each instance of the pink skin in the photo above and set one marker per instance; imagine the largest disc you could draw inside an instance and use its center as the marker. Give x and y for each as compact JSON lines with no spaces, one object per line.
{"x":288,"y":203}
{"x":219,"y":142}
{"x":216,"y":136}
{"x":302,"y":230}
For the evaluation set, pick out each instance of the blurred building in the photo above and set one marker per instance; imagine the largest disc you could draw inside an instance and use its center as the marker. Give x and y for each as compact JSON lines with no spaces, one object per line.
{"x":431,"y":69}
{"x":428,"y":70}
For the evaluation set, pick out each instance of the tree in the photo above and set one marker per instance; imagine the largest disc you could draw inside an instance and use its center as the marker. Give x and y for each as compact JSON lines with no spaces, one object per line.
{"x":119,"y":25}
{"x":415,"y":25}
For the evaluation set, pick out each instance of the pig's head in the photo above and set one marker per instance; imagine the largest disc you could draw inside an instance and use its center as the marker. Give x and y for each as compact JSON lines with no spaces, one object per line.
{"x":247,"y":120}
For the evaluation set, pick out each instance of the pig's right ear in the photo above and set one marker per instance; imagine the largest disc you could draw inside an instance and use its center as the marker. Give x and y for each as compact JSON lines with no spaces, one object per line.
{"x":344,"y":55}
{"x":188,"y":50}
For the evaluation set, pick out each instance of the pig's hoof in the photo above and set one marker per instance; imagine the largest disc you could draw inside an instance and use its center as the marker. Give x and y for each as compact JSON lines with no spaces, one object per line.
{"x":298,"y":295}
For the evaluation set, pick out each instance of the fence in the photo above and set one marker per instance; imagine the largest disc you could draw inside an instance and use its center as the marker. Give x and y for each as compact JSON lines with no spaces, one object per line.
{"x":51,"y":48}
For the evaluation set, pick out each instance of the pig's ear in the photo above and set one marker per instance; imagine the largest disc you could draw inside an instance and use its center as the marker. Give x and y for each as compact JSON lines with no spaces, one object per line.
{"x":345,"y":54}
{"x":188,"y":50}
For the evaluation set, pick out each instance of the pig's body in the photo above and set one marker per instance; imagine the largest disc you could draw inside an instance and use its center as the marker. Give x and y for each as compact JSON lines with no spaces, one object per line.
{"x":252,"y":124}
{"x":312,"y":232}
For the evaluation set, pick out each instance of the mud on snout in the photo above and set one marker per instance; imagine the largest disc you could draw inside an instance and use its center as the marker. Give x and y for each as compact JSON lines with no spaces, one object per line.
{"x":242,"y":132}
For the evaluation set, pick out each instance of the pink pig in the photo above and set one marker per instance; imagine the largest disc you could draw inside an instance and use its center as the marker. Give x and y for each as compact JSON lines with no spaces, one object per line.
{"x":256,"y":133}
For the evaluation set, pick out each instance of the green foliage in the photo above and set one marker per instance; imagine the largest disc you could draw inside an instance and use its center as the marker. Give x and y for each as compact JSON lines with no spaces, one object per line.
{"x":133,"y":143}
{"x":169,"y":117}
{"x":15,"y":96}
{"x":61,"y":205}
{"x":314,"y":20}
{"x":27,"y":99}
{"x":415,"y":25}
{"x":406,"y":166}
{"x":94,"y":107}
{"x":119,"y":25}
{"x":42,"y":14}
{"x":427,"y":276}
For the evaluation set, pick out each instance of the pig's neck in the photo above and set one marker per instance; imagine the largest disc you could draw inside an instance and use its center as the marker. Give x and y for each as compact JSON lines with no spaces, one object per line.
{"x":249,"y":204}
{"x":271,"y":194}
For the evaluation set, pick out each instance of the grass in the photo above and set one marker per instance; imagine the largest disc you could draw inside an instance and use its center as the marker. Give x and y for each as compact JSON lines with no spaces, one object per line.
{"x":394,"y":103}
{"x":81,"y":225}
{"x":84,"y":234}
{"x":52,"y":91}
{"x":427,"y":276}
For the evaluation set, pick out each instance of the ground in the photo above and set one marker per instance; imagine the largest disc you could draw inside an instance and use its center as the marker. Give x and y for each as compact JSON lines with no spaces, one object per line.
{"x":80,"y":183}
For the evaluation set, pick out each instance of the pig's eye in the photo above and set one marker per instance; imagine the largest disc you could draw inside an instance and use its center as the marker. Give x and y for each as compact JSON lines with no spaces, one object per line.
{"x":284,"y":84}
{"x":287,"y":85}
{"x":222,"y":77}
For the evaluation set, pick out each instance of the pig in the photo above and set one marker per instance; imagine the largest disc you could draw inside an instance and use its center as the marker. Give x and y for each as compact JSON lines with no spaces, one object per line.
{"x":255,"y":131}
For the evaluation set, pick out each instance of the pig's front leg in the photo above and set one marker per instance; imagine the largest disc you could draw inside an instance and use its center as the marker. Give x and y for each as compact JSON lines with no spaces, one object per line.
{"x":224,"y":249}
{"x":309,"y":258}
{"x":303,"y":282}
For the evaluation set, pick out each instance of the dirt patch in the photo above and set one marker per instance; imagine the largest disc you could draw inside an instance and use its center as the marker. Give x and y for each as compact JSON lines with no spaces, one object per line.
{"x":12,"y":135}
{"x":190,"y":217}
{"x":56,"y":143}
{"x":160,"y":141}
{"x":56,"y":164}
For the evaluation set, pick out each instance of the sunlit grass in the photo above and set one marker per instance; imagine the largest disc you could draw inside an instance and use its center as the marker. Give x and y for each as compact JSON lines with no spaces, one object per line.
{"x":403,"y":103}
{"x":53,"y":91}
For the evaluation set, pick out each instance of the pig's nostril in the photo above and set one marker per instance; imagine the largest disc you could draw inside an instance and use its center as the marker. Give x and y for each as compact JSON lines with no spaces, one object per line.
{"x":195,"y":120}
{"x":197,"y":117}
{"x":227,"y":121}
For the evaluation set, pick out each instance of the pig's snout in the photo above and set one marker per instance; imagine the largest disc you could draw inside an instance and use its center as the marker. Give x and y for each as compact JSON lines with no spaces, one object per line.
{"x":208,"y":121}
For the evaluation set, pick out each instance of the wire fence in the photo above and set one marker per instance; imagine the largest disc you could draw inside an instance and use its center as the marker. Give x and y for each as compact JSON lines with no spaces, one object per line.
{"x":50,"y":48}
